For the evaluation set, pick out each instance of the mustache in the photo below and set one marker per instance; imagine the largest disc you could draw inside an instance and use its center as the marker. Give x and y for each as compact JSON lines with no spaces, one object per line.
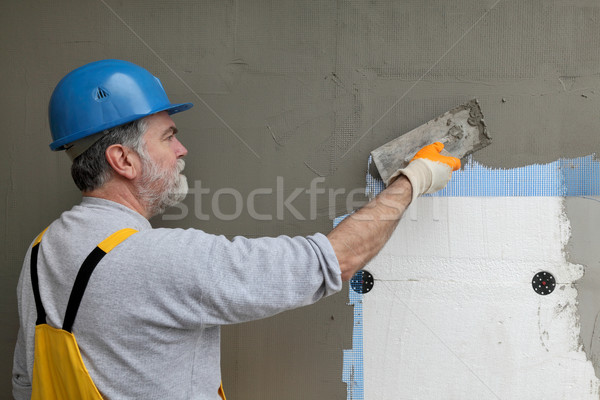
{"x":180,"y":166}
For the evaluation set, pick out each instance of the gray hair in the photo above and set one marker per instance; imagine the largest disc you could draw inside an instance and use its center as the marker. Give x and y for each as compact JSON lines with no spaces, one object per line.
{"x":90,"y":170}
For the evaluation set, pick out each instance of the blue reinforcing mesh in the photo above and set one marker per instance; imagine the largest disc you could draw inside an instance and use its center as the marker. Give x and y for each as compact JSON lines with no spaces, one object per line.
{"x":352,"y":372}
{"x":563,"y":178}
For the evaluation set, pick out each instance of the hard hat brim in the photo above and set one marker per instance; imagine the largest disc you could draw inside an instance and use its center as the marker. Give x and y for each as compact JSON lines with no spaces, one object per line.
{"x":63,"y":143}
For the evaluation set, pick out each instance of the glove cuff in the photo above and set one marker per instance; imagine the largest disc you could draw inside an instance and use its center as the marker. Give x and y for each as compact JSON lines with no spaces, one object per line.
{"x":420,"y":177}
{"x":425,"y":176}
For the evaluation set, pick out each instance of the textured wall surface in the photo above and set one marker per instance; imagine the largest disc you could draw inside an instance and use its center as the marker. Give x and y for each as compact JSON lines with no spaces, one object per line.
{"x":287,"y":92}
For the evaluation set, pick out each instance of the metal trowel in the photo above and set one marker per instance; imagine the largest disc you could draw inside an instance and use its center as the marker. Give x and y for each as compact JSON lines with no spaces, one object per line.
{"x":462,"y":130}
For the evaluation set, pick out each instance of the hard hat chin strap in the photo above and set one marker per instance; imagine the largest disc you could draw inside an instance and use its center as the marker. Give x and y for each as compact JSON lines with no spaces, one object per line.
{"x":78,"y":147}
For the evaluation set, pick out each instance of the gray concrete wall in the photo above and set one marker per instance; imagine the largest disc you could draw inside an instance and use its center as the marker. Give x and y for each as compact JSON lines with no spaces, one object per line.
{"x":298,"y":90}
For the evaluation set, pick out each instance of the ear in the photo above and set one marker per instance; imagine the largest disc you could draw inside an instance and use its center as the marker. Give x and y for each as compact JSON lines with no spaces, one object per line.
{"x":123,"y":161}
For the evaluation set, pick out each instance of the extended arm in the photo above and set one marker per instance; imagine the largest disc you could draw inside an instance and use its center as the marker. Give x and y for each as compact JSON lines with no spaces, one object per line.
{"x":359,"y":237}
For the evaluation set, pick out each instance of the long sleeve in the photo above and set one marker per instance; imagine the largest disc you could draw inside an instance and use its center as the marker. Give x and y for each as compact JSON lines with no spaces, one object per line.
{"x":20,"y":377}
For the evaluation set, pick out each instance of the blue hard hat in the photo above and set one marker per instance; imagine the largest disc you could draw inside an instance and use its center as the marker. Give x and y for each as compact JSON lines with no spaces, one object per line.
{"x":102,"y":95}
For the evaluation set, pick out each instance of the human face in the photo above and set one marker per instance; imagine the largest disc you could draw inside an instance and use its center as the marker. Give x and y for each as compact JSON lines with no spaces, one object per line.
{"x":161,"y":184}
{"x":160,"y":141}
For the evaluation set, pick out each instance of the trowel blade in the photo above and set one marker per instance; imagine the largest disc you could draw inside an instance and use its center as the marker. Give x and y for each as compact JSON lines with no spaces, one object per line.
{"x":462,"y":130}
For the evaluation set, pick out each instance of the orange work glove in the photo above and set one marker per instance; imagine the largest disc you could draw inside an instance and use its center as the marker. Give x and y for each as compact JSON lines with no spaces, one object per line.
{"x":429,"y":170}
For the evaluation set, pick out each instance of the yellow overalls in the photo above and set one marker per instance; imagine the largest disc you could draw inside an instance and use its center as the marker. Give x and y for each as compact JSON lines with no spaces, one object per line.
{"x":58,"y":369}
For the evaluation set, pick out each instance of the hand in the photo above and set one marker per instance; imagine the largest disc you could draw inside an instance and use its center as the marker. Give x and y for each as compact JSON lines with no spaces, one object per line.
{"x":429,"y":170}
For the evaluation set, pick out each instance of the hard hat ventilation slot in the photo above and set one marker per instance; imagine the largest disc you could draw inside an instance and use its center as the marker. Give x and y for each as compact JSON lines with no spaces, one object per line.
{"x":101,"y":94}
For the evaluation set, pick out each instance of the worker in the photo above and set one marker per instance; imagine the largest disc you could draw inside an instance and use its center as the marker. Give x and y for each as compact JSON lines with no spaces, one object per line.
{"x":110,"y":307}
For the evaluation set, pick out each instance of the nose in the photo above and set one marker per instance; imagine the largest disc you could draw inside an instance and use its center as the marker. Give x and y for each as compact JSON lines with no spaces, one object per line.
{"x":180,"y":149}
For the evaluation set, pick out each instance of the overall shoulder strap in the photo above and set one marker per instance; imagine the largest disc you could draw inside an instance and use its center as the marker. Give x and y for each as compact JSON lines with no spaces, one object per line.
{"x":83,"y":276}
{"x":41,"y":312}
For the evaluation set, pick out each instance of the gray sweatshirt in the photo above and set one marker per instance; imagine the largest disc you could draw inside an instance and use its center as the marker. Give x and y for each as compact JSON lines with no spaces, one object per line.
{"x":148,"y":324}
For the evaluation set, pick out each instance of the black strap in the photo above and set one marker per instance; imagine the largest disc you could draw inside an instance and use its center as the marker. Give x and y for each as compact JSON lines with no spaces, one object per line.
{"x":83,"y":277}
{"x":41,"y":312}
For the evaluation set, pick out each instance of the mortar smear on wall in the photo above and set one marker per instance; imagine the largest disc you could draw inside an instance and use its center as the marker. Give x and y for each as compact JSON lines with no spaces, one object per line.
{"x":556,"y":331}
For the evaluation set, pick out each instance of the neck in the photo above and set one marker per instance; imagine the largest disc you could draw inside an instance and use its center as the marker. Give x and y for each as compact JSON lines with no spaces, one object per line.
{"x":120,"y":192}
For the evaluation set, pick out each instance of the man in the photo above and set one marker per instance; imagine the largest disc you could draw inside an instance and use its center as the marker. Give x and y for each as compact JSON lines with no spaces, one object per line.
{"x":147,"y":319}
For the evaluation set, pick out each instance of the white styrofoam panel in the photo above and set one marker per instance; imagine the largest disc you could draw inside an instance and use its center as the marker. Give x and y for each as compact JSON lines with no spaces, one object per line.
{"x":453,"y":314}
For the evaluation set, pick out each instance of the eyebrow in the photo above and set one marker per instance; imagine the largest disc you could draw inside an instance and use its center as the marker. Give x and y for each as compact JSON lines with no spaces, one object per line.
{"x":170,"y":129}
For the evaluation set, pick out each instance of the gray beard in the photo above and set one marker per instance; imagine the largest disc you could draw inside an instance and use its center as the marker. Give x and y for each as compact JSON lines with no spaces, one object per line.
{"x":159,"y":189}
